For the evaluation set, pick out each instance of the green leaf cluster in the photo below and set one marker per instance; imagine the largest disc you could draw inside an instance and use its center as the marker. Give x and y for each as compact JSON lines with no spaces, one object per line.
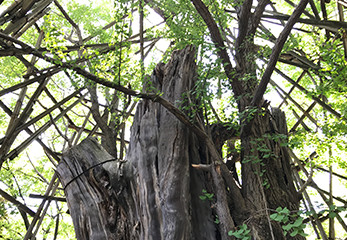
{"x":242,"y":233}
{"x":292,"y":223}
{"x":206,"y":196}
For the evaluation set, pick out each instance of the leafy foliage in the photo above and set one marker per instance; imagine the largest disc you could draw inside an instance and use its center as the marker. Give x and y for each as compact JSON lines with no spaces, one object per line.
{"x":106,"y":44}
{"x":242,"y":233}
{"x":291,"y":223}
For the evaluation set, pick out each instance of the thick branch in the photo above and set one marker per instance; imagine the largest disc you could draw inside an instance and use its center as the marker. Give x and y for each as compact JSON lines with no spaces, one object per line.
{"x":244,"y":17}
{"x":219,"y":43}
{"x":257,"y":16}
{"x":276,"y":53}
{"x":20,"y":205}
{"x":327,"y":24}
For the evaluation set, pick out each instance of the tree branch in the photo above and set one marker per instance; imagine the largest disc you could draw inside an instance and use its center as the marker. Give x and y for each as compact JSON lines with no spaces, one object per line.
{"x":276,"y":53}
{"x":155,"y":97}
{"x":17,"y":203}
{"x":308,"y":93}
{"x":219,"y":44}
{"x":259,"y":10}
{"x":244,"y":17}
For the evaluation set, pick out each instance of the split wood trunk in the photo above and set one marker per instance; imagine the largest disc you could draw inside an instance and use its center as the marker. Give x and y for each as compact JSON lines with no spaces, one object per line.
{"x":155,"y":193}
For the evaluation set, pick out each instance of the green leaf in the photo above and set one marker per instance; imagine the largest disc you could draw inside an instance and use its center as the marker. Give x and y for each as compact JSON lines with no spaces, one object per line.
{"x":237,"y":235}
{"x":285,"y":211}
{"x":340,"y":209}
{"x":273,"y":216}
{"x":244,"y":226}
{"x":277,"y":217}
{"x":279,"y":209}
{"x":298,"y":222}
{"x":294,"y":233}
{"x":332,"y":214}
{"x":287,"y":227}
{"x":303,"y":234}
{"x":209,"y":195}
{"x":323,"y":211}
{"x":202,"y":197}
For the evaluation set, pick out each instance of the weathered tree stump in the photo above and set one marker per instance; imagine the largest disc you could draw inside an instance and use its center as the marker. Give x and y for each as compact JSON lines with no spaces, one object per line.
{"x":87,"y":172}
{"x":155,"y":193}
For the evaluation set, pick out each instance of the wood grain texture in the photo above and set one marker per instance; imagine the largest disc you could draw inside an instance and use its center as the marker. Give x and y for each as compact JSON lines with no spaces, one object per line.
{"x":89,"y":193}
{"x":154,"y":193}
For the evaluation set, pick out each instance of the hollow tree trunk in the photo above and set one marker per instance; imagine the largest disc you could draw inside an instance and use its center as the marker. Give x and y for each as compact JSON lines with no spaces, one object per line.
{"x":156,"y":193}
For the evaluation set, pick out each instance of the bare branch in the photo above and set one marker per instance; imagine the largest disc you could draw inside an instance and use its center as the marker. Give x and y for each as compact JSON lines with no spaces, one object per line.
{"x":21,"y":206}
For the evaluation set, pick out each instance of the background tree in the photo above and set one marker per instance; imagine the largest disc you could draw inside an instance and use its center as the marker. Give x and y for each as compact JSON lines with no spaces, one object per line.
{"x":207,"y":157}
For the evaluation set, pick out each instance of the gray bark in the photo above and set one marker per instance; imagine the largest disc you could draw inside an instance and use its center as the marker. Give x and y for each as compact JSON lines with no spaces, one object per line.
{"x":161,"y":151}
{"x":91,"y":180}
{"x":156,"y":189}
{"x":155,"y":192}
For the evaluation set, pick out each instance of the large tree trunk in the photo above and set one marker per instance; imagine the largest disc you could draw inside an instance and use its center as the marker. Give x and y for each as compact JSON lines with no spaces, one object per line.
{"x":266,"y":173}
{"x":156,"y":193}
{"x":161,"y":152}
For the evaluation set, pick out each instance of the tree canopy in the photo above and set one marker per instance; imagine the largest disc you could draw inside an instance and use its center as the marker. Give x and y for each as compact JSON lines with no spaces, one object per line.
{"x":74,"y":69}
